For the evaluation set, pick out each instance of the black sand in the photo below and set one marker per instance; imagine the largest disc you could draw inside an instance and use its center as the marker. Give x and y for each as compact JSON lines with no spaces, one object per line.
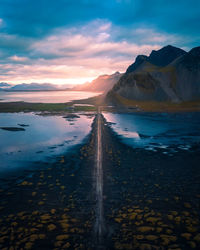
{"x":151,"y":200}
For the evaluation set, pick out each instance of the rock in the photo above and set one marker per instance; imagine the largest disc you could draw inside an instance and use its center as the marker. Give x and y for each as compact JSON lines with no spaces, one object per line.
{"x":71,"y":116}
{"x":23,"y":125}
{"x":14,"y":129}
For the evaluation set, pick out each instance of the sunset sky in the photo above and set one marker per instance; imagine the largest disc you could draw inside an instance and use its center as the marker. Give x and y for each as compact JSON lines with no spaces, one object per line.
{"x":73,"y":41}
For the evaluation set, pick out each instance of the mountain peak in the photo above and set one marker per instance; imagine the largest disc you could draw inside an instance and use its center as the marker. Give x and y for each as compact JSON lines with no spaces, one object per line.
{"x":138,"y":61}
{"x":165,"y":55}
{"x":167,"y":48}
{"x":116,"y":73}
{"x":195,"y":52}
{"x":190,"y":60}
{"x":161,"y":57}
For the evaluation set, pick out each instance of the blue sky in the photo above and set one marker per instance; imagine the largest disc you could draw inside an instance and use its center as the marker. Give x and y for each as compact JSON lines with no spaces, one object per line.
{"x":68,"y":41}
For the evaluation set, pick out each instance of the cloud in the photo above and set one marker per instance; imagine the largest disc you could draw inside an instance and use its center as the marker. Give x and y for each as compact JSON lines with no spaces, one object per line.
{"x":69,"y":39}
{"x":13,"y":44}
{"x":74,"y":53}
{"x":80,"y":45}
{"x":37,"y":19}
{"x":17,"y":59}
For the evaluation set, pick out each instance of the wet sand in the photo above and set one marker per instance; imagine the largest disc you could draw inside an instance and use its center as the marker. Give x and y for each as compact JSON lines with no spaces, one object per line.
{"x":150,"y":200}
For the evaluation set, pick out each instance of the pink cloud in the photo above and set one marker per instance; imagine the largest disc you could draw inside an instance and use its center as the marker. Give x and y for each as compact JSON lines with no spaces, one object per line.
{"x":18,"y":58}
{"x":73,"y":55}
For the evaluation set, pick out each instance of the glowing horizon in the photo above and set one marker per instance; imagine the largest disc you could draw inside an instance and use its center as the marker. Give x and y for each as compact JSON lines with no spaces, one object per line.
{"x":73,"y":81}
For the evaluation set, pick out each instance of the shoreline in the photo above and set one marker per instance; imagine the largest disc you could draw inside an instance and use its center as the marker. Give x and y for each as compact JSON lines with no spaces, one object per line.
{"x":88,"y":105}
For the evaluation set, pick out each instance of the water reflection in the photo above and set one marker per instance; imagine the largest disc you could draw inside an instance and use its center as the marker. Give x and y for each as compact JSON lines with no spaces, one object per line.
{"x":45,"y":96}
{"x":157,"y":130}
{"x":46,"y":136}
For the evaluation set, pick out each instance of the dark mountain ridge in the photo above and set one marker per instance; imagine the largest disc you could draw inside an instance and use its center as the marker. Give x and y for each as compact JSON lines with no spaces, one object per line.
{"x":169,"y":74}
{"x":161,"y":57}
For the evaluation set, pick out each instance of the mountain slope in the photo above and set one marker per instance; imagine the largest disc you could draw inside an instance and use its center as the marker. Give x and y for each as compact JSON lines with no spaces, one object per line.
{"x":102,"y":83}
{"x":148,"y":80}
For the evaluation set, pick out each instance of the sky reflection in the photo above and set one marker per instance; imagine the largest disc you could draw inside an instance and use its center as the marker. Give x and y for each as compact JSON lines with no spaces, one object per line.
{"x":45,"y":96}
{"x":44,"y":137}
{"x":156,"y":130}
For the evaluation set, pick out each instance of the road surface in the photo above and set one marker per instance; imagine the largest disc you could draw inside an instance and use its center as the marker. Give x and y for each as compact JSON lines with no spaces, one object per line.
{"x":99,"y":225}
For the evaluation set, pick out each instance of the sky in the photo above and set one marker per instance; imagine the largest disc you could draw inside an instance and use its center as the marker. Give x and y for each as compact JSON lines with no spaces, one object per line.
{"x":74,"y":41}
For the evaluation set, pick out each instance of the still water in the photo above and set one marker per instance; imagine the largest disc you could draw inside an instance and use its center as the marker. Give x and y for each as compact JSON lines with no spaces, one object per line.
{"x":45,"y":96}
{"x":157,"y":130}
{"x":43,"y":138}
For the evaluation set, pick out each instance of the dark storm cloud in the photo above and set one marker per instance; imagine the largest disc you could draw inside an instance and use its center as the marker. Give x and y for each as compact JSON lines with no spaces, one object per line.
{"x":38,"y":18}
{"x":10,"y":43}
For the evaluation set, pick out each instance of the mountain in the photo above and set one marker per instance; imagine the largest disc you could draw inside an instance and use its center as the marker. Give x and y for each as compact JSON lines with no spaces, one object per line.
{"x":4,"y":85}
{"x":165,"y":55}
{"x":169,"y":74}
{"x":161,"y":57}
{"x":32,"y":86}
{"x":38,"y":87}
{"x":102,"y":83}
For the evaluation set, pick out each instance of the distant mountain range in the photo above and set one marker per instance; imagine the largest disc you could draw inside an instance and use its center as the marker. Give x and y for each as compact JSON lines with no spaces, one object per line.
{"x":169,"y":74}
{"x":102,"y":83}
{"x":4,"y":85}
{"x":34,"y":87}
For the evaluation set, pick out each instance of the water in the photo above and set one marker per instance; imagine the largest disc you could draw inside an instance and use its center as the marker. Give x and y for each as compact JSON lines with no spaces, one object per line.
{"x":46,"y":136}
{"x":45,"y":96}
{"x":157,"y":130}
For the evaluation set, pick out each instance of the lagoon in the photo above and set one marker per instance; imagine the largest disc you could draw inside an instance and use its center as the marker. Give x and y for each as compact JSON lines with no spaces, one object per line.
{"x":157,"y":130}
{"x":43,"y":138}
{"x":45,"y":96}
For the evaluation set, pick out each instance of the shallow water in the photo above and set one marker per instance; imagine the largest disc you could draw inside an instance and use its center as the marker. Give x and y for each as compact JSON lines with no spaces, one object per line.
{"x":44,"y":138}
{"x":157,"y":130}
{"x":45,"y":96}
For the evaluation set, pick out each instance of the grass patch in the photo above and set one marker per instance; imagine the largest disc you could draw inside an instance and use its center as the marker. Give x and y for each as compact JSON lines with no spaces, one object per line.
{"x":152,"y":106}
{"x":12,"y":107}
